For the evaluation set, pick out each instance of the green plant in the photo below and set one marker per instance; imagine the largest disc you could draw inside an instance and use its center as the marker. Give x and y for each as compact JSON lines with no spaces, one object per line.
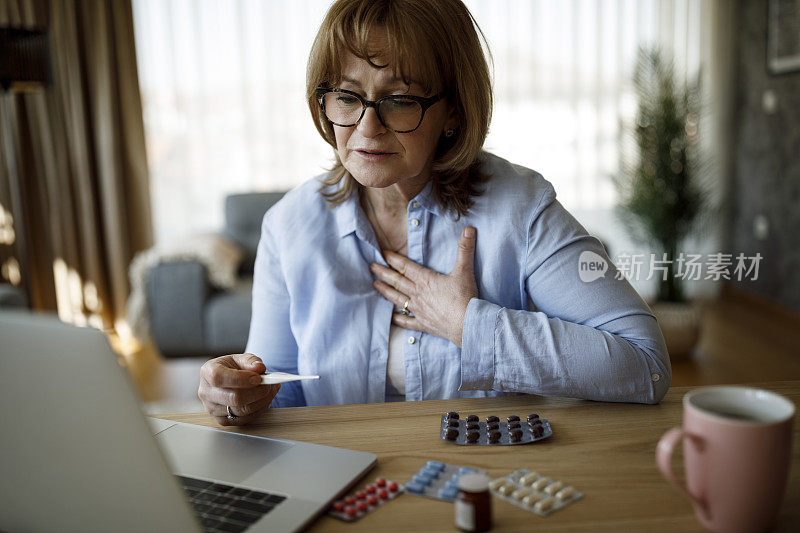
{"x":662,"y":192}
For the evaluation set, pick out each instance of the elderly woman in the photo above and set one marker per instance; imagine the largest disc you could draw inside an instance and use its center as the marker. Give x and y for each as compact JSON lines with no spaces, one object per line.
{"x":420,"y":267}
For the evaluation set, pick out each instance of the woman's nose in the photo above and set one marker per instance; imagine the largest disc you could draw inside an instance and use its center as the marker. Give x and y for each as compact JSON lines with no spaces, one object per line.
{"x":370,"y":124}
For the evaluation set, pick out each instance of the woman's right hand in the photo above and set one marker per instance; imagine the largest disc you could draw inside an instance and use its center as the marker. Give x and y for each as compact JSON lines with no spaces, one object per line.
{"x":235,"y":381}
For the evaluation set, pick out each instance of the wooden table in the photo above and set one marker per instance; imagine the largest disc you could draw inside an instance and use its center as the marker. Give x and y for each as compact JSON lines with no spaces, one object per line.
{"x":606,"y":450}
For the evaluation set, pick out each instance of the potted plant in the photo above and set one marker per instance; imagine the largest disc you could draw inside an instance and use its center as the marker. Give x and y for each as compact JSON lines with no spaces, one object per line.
{"x":663,"y":198}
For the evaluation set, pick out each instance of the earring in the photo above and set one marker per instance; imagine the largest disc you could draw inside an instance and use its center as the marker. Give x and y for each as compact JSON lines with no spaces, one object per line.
{"x":449,"y":133}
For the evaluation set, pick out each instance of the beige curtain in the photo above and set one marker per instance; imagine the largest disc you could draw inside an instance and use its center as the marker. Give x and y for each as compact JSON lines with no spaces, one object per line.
{"x":81,"y":156}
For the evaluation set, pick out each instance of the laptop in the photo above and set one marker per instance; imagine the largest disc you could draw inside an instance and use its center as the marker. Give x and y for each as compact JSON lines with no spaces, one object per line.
{"x":76,"y":453}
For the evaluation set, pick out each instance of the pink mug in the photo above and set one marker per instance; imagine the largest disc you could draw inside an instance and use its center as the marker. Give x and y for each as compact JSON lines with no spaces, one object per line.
{"x":737,"y":447}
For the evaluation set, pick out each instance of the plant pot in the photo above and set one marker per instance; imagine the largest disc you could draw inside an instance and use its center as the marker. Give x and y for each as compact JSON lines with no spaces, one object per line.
{"x":680,"y":324}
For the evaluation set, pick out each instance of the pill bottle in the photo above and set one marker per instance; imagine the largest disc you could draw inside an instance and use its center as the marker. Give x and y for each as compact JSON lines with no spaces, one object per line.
{"x":473,"y":505}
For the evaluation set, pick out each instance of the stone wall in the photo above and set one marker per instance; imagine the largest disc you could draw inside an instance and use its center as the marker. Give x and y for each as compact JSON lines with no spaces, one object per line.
{"x":764,"y":193}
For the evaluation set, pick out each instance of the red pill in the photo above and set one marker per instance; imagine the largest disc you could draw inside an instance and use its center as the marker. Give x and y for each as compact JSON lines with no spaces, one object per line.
{"x":362,"y":506}
{"x":372,"y":500}
{"x":383,"y":494}
{"x":351,"y":511}
{"x":392,"y":486}
{"x":338,"y":506}
{"x":371,"y":489}
{"x":361,"y":495}
{"x":350,"y":501}
{"x":380,"y":482}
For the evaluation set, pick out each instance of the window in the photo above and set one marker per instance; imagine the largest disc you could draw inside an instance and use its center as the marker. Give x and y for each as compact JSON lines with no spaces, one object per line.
{"x":223,"y":90}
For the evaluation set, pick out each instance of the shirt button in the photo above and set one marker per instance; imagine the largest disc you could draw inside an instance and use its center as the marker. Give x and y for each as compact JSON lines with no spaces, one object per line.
{"x":655,"y":377}
{"x":411,"y":340}
{"x":414,"y":222}
{"x":415,"y":204}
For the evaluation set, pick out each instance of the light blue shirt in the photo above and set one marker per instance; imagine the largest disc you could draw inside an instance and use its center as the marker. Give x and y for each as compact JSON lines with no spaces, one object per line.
{"x":315,"y":310}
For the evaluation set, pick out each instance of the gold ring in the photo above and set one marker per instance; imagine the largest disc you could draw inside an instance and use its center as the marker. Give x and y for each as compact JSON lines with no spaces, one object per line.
{"x":404,"y":310}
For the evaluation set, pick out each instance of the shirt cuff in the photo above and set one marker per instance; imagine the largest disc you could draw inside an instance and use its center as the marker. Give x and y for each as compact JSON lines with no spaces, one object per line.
{"x":477,"y":345}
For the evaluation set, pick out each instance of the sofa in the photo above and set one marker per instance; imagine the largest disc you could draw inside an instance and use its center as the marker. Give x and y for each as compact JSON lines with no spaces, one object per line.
{"x":188,"y":317}
{"x":12,"y":297}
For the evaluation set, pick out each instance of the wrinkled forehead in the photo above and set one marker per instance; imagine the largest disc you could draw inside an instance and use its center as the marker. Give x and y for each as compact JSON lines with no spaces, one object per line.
{"x":390,"y":61}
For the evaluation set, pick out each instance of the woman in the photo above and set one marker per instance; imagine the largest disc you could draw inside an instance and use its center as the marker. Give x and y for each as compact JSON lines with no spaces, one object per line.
{"x":421,"y":267}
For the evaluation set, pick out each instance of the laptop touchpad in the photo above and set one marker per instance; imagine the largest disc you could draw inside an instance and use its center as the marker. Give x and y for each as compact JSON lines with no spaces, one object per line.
{"x":215,"y":454}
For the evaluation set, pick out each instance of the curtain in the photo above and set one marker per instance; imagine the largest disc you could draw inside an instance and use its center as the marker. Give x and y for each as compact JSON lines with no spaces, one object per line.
{"x":223,"y":86}
{"x":563,"y":90}
{"x":223,"y":90}
{"x":81,"y":158}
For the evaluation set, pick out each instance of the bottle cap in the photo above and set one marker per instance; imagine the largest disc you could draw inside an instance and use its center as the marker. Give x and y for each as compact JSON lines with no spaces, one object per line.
{"x":473,"y":482}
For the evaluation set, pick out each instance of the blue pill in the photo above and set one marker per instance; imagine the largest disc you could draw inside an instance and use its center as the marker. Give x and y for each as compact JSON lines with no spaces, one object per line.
{"x":428,"y":472}
{"x":422,"y":480}
{"x":447,"y":494}
{"x":436,"y":465}
{"x":450,"y":485}
{"x":466,"y":470}
{"x":455,"y":477}
{"x":414,"y":487}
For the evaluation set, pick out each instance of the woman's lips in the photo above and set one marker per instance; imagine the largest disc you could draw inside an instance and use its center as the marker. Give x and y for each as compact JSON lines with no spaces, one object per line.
{"x":370,"y":155}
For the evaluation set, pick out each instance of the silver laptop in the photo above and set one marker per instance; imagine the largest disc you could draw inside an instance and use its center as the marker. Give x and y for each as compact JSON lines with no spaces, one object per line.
{"x":76,"y":453}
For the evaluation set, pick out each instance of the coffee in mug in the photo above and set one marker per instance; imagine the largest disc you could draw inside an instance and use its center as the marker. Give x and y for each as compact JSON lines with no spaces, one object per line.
{"x":737,"y":448}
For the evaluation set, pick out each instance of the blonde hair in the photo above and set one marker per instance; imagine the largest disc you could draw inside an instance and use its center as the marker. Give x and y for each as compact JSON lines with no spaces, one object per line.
{"x":441,"y":38}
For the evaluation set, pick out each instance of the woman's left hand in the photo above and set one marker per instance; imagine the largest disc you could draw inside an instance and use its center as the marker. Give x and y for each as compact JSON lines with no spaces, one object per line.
{"x":438,"y":301}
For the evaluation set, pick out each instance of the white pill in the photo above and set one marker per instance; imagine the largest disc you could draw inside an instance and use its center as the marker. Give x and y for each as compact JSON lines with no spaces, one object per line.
{"x":497,"y":483}
{"x":544,"y":505}
{"x":552,"y":488}
{"x":528,"y":479}
{"x":521,"y":493}
{"x":530,"y":499}
{"x":541,"y":483}
{"x":505,"y":490}
{"x":565,"y":494}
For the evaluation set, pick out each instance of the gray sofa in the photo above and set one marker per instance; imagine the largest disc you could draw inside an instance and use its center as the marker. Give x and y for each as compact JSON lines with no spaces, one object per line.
{"x":190,"y":318}
{"x":12,"y":297}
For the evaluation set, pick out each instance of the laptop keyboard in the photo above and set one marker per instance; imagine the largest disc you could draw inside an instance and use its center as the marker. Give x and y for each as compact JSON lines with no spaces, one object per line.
{"x":222,"y":507}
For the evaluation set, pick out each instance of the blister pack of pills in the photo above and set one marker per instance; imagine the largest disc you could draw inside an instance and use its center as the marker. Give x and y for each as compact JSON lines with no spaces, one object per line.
{"x":366,"y":500}
{"x":471,"y":431}
{"x":438,"y":480}
{"x":534,"y":492}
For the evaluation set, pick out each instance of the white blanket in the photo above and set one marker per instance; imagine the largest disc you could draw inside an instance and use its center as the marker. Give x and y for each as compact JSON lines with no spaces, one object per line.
{"x":219,"y":255}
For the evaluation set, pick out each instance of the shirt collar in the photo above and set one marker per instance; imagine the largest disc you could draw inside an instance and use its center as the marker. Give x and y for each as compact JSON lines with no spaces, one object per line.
{"x":351,"y":218}
{"x":427,"y":200}
{"x":347,"y":215}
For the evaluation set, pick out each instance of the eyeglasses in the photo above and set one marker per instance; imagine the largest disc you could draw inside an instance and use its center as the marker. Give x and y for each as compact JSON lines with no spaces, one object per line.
{"x":399,"y":113}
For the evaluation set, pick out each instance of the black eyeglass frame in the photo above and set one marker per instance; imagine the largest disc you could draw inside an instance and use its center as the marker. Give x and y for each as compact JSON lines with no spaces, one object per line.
{"x":425,"y":103}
